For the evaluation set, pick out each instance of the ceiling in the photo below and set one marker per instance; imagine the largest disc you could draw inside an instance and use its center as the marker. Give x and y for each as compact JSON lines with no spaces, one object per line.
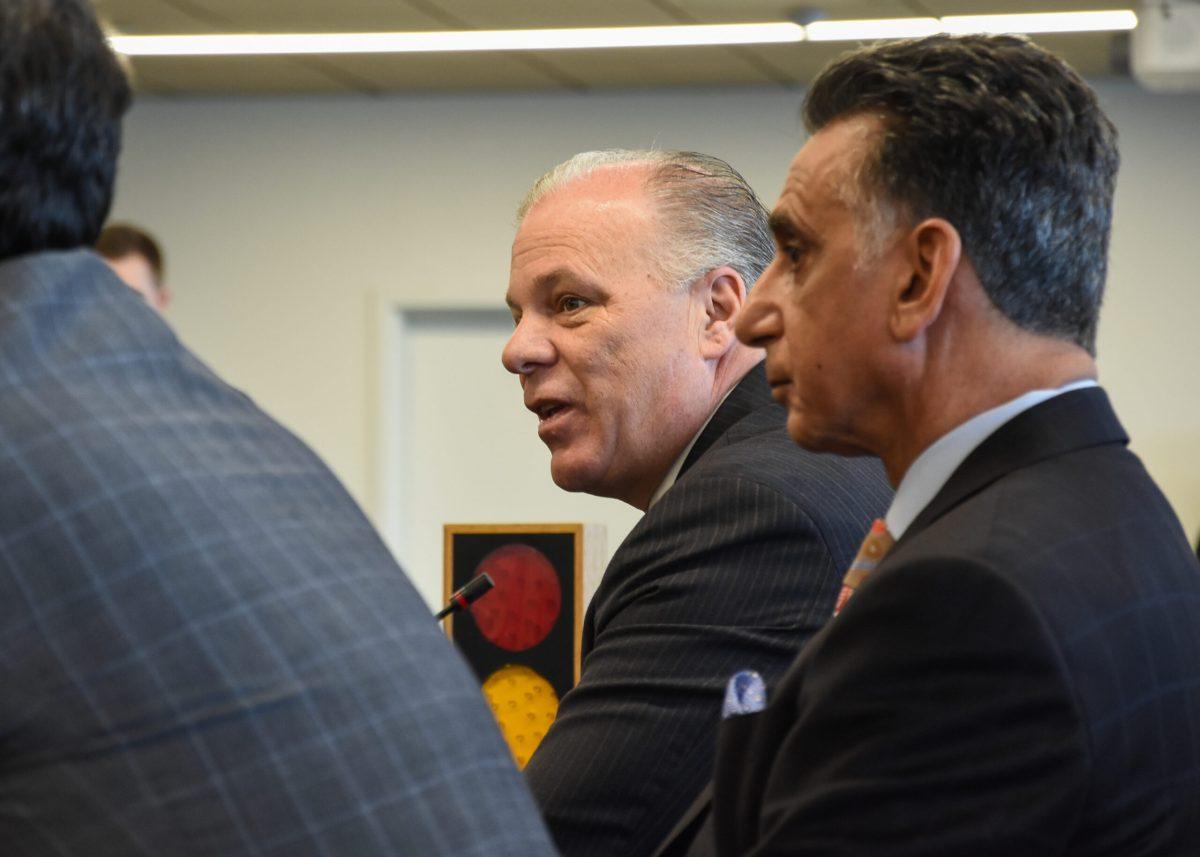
{"x":572,"y":70}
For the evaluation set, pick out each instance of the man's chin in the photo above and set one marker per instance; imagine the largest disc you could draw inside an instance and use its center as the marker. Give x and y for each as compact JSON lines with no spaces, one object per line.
{"x":570,"y":476}
{"x":810,"y":435}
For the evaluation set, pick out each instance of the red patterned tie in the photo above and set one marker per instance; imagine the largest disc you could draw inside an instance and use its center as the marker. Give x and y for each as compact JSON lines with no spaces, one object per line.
{"x":874,"y":547}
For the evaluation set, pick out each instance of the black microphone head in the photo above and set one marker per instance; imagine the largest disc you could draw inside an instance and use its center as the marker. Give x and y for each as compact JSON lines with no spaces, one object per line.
{"x":477,"y":587}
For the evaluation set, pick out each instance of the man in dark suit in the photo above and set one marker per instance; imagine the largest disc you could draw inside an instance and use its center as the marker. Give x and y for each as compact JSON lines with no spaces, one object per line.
{"x":206,"y":650}
{"x":628,"y":271}
{"x":1015,"y":664}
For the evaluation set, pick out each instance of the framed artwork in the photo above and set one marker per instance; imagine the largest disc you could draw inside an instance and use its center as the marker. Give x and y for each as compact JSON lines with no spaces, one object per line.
{"x":521,"y":638}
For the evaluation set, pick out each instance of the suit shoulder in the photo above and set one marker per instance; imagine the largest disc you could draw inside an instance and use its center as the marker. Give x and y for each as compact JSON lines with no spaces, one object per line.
{"x":771,"y":459}
{"x":1093,"y":511}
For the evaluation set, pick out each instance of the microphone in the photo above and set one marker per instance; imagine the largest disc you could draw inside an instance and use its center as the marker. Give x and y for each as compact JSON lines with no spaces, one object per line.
{"x":475,"y":589}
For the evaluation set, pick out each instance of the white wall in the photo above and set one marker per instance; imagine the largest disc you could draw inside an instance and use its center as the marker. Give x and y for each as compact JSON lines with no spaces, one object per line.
{"x":289,"y":222}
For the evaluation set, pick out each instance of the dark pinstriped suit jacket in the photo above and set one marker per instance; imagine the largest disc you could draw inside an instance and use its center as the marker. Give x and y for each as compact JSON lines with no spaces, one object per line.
{"x":204,"y":647}
{"x":734,"y":568}
{"x":1020,"y":676}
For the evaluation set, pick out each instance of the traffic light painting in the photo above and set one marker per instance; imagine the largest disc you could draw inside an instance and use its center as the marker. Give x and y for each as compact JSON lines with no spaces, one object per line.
{"x":522,"y":637}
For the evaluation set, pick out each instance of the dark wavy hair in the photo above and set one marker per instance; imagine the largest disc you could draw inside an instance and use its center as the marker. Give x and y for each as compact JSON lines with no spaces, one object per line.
{"x":1005,"y":141}
{"x":62,"y":95}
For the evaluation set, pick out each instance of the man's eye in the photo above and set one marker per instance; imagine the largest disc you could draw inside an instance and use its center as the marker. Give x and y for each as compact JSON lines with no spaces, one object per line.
{"x":793,"y":253}
{"x":571,"y":303}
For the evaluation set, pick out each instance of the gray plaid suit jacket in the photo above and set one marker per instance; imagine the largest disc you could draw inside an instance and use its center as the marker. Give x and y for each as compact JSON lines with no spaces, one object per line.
{"x":734,"y":568}
{"x":204,"y":647}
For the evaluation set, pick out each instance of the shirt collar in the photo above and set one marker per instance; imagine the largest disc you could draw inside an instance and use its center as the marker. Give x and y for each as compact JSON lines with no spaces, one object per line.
{"x":673,"y":472}
{"x":941,"y":458}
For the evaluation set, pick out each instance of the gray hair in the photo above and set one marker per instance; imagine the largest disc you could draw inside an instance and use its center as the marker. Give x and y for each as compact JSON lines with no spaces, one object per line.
{"x":713,"y":216}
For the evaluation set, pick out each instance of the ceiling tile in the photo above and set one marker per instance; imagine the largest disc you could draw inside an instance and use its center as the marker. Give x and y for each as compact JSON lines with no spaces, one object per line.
{"x":136,"y":17}
{"x":440,"y":72}
{"x":302,"y":16}
{"x":173,"y":75}
{"x":531,"y":14}
{"x":649,"y":67}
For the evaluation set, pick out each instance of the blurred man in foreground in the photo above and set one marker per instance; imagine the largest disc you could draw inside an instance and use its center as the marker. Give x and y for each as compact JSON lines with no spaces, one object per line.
{"x":628,"y":272}
{"x":136,"y":258}
{"x":206,"y":650}
{"x":1015,"y":664}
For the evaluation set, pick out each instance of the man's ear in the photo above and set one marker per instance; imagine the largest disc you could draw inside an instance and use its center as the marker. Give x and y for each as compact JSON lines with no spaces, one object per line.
{"x":932,"y":253}
{"x":723,"y":292}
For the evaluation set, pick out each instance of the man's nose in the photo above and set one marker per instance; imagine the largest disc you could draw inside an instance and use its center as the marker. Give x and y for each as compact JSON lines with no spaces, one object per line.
{"x":760,"y":321}
{"x":528,"y":348}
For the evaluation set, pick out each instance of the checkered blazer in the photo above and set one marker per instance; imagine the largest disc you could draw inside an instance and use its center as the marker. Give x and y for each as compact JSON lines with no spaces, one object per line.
{"x":204,"y":647}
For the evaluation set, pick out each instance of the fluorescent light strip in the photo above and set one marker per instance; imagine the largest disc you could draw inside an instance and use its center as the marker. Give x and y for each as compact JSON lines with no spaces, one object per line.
{"x":616,"y":37}
{"x":1042,"y":22}
{"x":878,"y":28}
{"x":469,"y":40}
{"x":903,"y":28}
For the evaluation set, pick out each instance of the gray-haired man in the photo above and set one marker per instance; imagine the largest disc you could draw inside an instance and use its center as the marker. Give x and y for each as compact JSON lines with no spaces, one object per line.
{"x":628,"y":271}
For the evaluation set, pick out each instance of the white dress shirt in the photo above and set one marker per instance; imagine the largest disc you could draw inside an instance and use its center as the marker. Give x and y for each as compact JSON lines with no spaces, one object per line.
{"x":941,"y":458}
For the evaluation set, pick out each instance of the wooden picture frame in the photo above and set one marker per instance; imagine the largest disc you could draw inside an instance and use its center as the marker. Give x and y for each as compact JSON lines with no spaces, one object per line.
{"x":464,"y":543}
{"x":524,"y":644}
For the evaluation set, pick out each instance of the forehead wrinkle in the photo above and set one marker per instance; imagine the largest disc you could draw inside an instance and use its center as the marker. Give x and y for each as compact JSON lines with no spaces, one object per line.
{"x":553,"y":252}
{"x":593,"y":236}
{"x":791,"y":214}
{"x":834,"y":182}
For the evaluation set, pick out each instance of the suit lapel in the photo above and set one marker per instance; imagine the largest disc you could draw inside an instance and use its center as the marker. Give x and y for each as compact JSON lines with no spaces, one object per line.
{"x":1066,"y":423}
{"x":750,"y":394}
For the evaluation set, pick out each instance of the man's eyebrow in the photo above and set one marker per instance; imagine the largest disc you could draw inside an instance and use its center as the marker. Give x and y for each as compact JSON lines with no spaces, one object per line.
{"x":549,"y":280}
{"x":541,"y":283}
{"x":563,"y":277}
{"x":782,"y":225}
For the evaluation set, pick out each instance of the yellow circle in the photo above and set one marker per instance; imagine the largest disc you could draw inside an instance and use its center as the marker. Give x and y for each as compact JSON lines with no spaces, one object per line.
{"x":524,"y":705}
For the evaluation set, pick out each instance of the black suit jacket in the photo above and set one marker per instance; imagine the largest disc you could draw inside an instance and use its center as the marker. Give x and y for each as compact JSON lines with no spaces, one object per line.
{"x":1020,"y":676}
{"x":735,"y":567}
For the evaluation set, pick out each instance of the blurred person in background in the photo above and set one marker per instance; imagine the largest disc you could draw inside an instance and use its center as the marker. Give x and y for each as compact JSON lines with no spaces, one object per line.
{"x":137,"y":259}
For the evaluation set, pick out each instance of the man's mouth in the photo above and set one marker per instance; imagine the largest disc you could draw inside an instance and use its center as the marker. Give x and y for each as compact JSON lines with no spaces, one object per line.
{"x":547,"y":410}
{"x":552,"y":417}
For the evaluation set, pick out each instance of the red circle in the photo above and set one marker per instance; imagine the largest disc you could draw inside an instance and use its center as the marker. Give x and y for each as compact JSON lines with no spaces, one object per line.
{"x":527,"y":599}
